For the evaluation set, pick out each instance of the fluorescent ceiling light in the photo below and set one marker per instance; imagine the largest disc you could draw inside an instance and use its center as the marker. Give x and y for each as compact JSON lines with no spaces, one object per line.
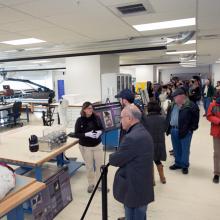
{"x":218,"y":61}
{"x":166,"y":24}
{"x":190,"y":42}
{"x":180,"y":52}
{"x":23,"y":41}
{"x":34,"y":48}
{"x":41,"y":61}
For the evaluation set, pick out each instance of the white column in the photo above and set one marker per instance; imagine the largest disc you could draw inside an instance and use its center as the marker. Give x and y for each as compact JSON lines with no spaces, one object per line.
{"x":216,"y":73}
{"x":83,"y":77}
{"x":109,"y":65}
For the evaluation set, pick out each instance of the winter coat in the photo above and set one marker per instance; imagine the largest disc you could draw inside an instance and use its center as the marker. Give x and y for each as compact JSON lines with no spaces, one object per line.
{"x":133,"y":182}
{"x":213,"y":115}
{"x":188,"y":118}
{"x":156,"y":125}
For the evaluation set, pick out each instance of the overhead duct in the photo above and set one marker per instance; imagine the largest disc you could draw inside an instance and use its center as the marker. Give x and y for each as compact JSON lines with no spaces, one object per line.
{"x":181,"y":38}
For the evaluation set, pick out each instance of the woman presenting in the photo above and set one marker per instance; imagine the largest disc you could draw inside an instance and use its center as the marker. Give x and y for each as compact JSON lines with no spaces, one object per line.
{"x":88,"y":129}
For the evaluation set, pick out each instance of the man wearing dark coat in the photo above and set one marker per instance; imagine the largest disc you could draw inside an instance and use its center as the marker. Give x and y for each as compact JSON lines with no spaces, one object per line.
{"x":133,"y":182}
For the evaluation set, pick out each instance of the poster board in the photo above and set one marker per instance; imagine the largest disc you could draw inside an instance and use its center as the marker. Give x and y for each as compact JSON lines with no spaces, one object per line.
{"x":109,"y":114}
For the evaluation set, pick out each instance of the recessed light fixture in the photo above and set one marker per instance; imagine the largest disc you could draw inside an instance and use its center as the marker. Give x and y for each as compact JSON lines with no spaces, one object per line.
{"x":180,"y":52}
{"x":190,"y":42}
{"x":41,"y":61}
{"x":218,"y":61}
{"x":166,"y":24}
{"x":23,"y":41}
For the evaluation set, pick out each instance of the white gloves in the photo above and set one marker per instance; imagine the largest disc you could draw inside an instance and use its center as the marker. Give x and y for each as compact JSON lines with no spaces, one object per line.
{"x":90,"y":134}
{"x":93,"y":134}
{"x":98,"y":133}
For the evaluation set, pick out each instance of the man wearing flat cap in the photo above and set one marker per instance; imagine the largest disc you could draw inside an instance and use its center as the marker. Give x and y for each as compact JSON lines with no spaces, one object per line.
{"x":182,"y":120}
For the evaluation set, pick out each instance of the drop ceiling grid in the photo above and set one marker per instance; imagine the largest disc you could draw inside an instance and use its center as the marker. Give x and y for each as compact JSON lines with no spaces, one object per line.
{"x":97,"y":22}
{"x":56,"y":35}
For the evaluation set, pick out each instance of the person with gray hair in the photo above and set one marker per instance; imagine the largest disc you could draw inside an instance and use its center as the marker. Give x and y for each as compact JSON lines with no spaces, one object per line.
{"x":133,"y":182}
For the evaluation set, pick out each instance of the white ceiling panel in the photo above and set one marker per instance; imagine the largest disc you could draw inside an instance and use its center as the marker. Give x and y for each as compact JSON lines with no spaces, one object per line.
{"x":41,"y":8}
{"x":94,"y":20}
{"x":14,"y":2}
{"x":170,"y":6}
{"x":56,"y":35}
{"x":8,"y":15}
{"x":29,"y":24}
{"x":4,"y":36}
{"x":208,"y":14}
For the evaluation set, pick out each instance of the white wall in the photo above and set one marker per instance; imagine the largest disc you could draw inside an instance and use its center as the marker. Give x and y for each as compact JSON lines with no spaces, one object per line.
{"x":144,"y":73}
{"x":83,"y":77}
{"x":128,"y":70}
{"x":141,"y":73}
{"x":216,"y":73}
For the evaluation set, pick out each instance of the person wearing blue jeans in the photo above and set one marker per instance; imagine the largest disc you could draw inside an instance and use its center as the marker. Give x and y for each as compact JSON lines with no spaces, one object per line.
{"x":136,"y":213}
{"x":181,"y":148}
{"x":182,"y":119}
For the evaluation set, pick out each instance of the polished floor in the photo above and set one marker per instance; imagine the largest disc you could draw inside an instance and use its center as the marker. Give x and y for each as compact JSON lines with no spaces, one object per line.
{"x":184,"y":197}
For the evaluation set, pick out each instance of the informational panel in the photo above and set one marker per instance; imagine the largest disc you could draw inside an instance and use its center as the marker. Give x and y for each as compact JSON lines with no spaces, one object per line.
{"x":109,"y":114}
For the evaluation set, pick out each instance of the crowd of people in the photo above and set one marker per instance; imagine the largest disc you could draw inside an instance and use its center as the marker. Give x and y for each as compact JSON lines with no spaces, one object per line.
{"x":173,"y":110}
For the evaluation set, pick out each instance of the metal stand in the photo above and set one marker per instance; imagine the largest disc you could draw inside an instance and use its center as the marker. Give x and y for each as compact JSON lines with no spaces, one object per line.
{"x":103,"y":177}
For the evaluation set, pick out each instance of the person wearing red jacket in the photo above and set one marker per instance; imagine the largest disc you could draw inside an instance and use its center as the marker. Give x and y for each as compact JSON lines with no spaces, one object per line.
{"x":213,"y":115}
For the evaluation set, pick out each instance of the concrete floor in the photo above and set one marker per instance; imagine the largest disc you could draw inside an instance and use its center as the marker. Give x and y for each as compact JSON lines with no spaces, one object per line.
{"x":191,"y":197}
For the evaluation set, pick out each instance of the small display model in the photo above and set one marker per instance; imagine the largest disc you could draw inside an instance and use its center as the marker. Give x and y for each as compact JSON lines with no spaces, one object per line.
{"x":107,"y":116}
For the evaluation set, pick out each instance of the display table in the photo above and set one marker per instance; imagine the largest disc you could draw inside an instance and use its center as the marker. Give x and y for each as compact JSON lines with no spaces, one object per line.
{"x":25,"y":188}
{"x":14,"y":149}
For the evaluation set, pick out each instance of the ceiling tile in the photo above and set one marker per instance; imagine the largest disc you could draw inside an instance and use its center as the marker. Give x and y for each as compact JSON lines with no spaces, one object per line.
{"x":56,"y":35}
{"x":14,"y":2}
{"x":95,"y":21}
{"x":8,"y":15}
{"x":29,"y":24}
{"x":42,"y":8}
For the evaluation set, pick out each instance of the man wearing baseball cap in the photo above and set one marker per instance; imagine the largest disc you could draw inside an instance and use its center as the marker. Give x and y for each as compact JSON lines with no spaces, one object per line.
{"x":126,"y":97}
{"x":182,"y":120}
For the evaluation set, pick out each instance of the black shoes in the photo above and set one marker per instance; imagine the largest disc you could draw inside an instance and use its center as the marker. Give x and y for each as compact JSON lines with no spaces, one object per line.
{"x":216,"y":179}
{"x":175,"y":167}
{"x":122,"y":218}
{"x":185,"y":171}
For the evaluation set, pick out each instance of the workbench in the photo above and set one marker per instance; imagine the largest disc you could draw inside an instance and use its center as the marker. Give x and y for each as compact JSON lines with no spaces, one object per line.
{"x":14,"y":149}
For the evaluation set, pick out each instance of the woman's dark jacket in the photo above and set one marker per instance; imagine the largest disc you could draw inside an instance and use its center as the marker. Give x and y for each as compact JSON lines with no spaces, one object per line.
{"x":84,"y":125}
{"x":155,"y":124}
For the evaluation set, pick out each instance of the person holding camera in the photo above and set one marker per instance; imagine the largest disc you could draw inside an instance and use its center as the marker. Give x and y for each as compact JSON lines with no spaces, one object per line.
{"x":88,"y":129}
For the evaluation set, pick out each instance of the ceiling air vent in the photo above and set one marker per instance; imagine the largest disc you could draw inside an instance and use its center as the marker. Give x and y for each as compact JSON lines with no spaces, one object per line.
{"x":131,"y":9}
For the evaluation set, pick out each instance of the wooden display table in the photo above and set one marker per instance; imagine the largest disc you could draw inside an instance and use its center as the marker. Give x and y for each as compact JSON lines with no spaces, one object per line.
{"x":14,"y":149}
